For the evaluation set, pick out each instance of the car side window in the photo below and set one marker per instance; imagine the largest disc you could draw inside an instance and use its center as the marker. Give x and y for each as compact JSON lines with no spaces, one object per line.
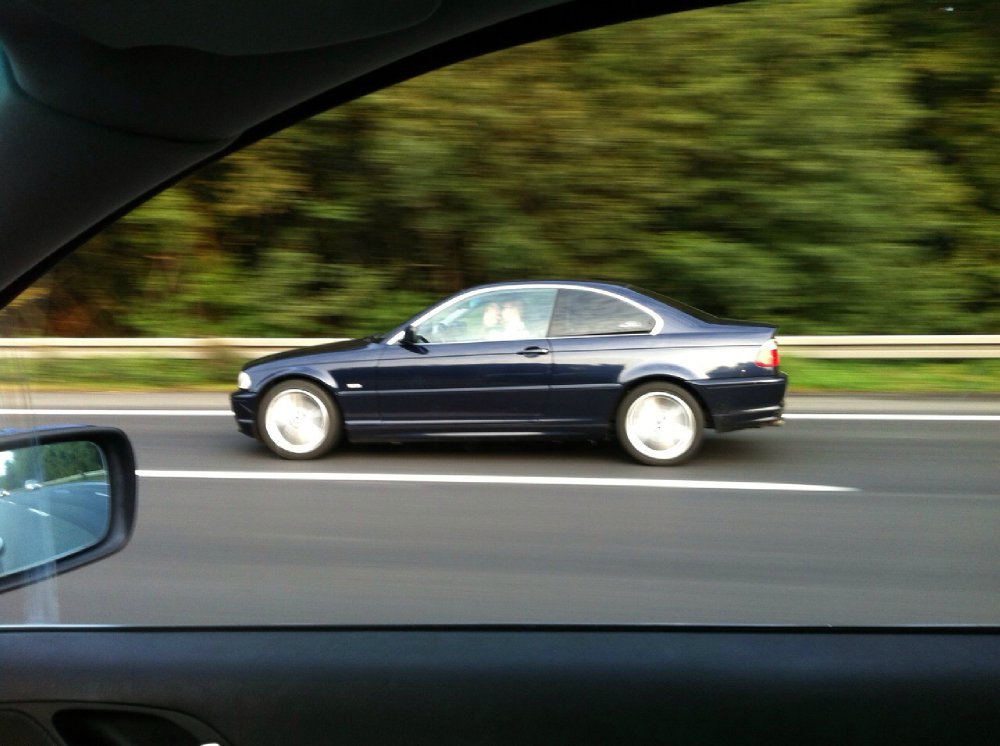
{"x":582,"y":313}
{"x":496,"y":315}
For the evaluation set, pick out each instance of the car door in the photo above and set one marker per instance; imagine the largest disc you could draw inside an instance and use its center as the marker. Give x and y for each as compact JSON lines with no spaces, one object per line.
{"x":479,"y":365}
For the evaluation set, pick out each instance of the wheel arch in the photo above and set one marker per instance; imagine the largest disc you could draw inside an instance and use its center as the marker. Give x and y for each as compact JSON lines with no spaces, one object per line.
{"x":665,"y":377}
{"x":319,"y":377}
{"x":315,"y":387}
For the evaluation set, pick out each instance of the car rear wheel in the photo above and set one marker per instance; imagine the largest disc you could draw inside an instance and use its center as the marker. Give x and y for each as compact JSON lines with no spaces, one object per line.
{"x":299,"y":420}
{"x":660,"y":424}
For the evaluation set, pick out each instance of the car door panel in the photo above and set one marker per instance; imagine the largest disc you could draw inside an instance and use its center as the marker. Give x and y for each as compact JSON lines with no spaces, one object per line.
{"x":473,"y":385}
{"x":510,"y":685}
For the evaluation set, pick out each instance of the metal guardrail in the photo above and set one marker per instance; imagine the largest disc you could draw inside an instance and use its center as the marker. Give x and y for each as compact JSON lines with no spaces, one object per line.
{"x":845,"y":347}
{"x":893,"y":346}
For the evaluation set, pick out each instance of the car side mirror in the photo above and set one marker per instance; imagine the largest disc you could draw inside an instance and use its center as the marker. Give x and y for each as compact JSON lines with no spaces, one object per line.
{"x":410,"y":336}
{"x":67,"y":498}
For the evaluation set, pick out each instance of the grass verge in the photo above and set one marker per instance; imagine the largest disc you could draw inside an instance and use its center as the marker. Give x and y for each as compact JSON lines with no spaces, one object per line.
{"x":893,"y":376}
{"x":121,"y":374}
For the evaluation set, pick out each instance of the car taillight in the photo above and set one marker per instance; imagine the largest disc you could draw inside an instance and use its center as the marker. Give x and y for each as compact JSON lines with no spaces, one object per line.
{"x":767,"y":355}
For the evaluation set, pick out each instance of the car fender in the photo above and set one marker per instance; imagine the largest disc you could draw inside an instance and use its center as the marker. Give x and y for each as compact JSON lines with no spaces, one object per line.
{"x":631,"y":376}
{"x":661,"y":371}
{"x":307,"y":372}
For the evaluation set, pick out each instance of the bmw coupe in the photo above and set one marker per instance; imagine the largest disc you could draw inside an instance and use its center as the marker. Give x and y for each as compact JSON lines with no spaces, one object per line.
{"x":520,"y":360}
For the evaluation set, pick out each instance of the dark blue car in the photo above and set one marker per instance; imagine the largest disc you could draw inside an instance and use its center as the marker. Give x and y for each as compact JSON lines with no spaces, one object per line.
{"x":523,"y":360}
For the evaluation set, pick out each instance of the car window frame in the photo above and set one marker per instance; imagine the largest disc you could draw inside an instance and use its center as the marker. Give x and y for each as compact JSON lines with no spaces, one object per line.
{"x":457,"y":300}
{"x":397,"y":336}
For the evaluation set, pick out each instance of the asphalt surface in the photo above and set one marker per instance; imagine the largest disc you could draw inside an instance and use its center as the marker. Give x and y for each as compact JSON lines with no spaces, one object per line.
{"x":855,"y":519}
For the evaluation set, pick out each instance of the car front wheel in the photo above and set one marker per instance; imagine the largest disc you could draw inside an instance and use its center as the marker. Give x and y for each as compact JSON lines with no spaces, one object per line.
{"x":299,"y":420}
{"x":660,"y":424}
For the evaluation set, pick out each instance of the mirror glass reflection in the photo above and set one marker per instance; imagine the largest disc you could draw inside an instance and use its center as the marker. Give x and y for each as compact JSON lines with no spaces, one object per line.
{"x":54,"y":502}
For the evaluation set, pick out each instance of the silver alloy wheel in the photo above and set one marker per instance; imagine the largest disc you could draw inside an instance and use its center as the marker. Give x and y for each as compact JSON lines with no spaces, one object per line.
{"x":297,"y":421}
{"x":660,"y":425}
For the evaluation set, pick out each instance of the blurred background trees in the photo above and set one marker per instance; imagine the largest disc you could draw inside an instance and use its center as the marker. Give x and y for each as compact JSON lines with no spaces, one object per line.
{"x":829,"y":166}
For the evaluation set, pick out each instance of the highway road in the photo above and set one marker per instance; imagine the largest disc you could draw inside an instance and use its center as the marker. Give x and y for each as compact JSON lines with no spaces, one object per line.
{"x":859,"y":511}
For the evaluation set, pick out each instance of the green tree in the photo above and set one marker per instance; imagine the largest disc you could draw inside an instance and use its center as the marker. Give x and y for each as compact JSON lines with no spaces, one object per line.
{"x":952,"y":55}
{"x":828,"y":166}
{"x":754,"y":173}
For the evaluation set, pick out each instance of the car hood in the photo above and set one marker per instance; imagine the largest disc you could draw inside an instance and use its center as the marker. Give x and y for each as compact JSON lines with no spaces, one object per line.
{"x":347,"y":345}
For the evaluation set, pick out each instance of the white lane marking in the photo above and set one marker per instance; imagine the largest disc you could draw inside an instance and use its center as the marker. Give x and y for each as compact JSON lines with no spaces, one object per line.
{"x":40,"y":512}
{"x":689,"y":484}
{"x":121,"y":412}
{"x":899,"y":417}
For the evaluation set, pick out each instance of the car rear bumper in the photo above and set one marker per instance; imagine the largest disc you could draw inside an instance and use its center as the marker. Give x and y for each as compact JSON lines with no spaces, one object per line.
{"x":737,"y":404}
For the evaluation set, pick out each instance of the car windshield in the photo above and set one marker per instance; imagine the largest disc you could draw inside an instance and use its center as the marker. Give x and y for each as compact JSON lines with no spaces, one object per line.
{"x":828,"y":169}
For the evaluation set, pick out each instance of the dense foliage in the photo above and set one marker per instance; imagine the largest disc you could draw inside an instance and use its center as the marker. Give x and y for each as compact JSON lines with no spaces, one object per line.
{"x":829,"y":166}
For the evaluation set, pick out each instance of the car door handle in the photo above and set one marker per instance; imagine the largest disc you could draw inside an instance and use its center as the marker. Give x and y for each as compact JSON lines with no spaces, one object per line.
{"x":533,"y":351}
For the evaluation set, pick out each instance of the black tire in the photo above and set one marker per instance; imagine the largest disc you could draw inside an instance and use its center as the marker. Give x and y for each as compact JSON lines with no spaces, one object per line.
{"x":660,"y":424}
{"x":299,"y":420}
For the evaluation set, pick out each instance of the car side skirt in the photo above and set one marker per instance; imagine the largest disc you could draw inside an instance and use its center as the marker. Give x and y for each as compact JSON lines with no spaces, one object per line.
{"x":382,"y":431}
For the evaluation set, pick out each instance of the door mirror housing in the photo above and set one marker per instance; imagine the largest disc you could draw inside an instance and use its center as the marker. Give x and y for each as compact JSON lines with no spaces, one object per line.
{"x":411,"y":338}
{"x":67,"y":498}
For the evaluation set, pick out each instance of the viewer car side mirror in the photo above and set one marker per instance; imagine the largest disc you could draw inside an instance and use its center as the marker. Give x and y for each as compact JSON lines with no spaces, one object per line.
{"x":79,"y":508}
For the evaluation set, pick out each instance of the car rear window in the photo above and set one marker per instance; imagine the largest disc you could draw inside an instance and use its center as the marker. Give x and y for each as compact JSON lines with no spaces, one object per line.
{"x":581,"y":313}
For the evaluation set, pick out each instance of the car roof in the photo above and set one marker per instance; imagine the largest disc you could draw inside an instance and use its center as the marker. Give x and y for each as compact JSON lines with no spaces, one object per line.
{"x":554,"y":281}
{"x":102,"y":105}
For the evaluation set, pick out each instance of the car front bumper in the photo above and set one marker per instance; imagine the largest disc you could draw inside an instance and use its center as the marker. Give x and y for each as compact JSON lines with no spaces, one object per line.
{"x":244,"y":406}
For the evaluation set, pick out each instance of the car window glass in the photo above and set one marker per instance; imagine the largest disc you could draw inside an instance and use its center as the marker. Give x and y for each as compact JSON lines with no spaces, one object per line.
{"x":497,"y":315}
{"x":581,"y":313}
{"x":825,"y":167}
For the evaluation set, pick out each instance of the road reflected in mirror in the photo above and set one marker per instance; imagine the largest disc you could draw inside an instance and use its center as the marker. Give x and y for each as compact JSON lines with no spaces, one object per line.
{"x":54,"y":502}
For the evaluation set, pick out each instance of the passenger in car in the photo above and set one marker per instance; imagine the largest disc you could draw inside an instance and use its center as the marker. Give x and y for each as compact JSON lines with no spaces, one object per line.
{"x":513,"y":325}
{"x":491,"y":321}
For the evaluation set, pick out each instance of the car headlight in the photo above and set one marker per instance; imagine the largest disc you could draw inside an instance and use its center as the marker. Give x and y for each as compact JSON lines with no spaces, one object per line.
{"x":243,"y":380}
